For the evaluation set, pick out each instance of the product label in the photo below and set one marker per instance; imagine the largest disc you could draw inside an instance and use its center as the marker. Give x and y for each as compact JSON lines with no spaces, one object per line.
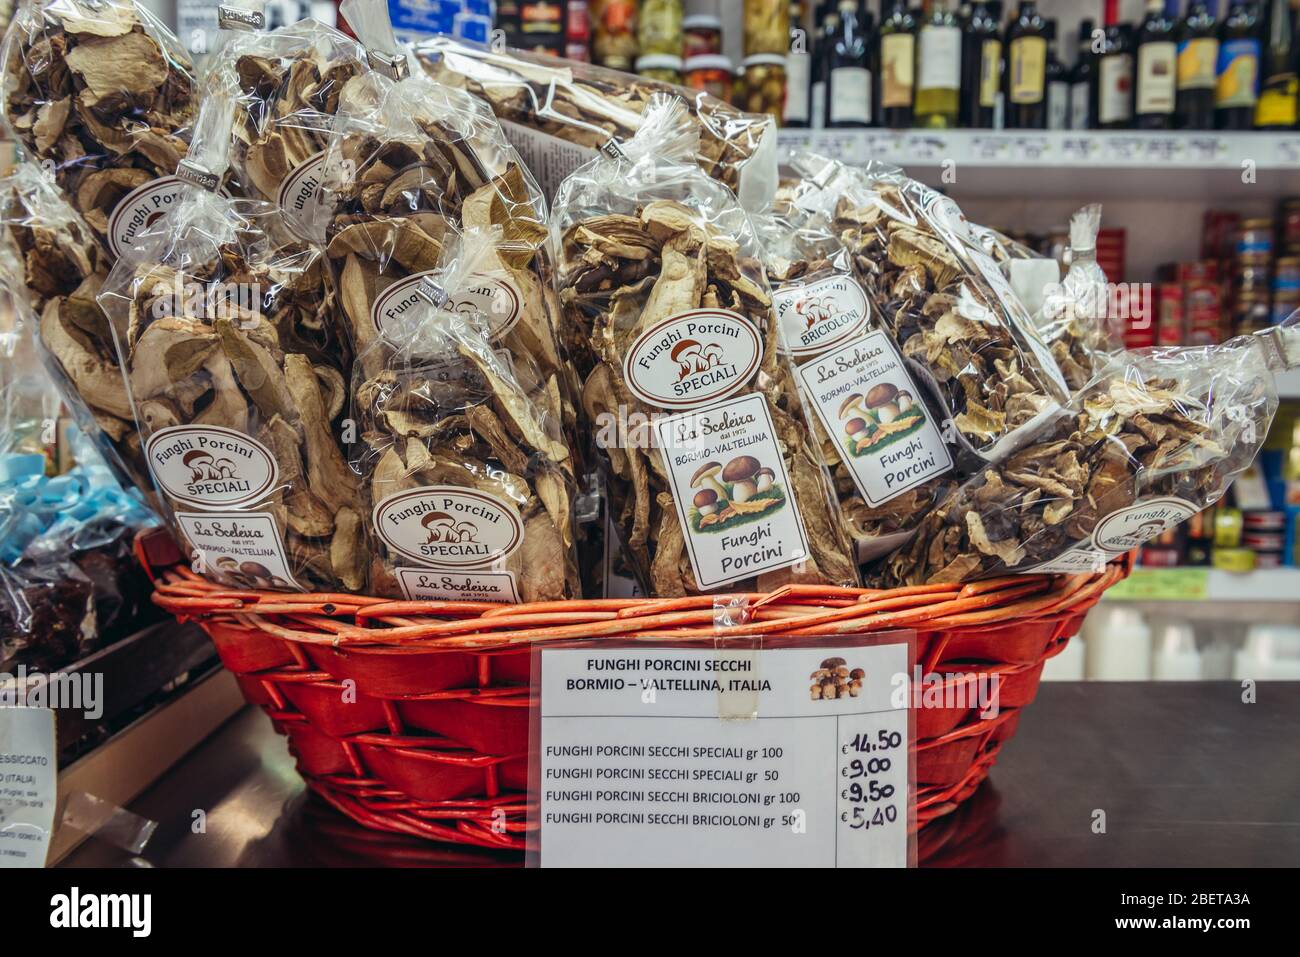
{"x":1278,"y":104}
{"x":138,"y":210}
{"x":1238,"y":80}
{"x":898,"y":64}
{"x":850,"y":95}
{"x":1119,"y":532}
{"x":549,"y":158}
{"x":437,"y":584}
{"x":1028,"y":69}
{"x":1115,"y":89}
{"x":693,"y":358}
{"x":819,"y":315}
{"x":449,"y":526}
{"x":733,"y":496}
{"x":211,"y":467}
{"x":29,"y":759}
{"x":1156,"y":83}
{"x":300,"y":199}
{"x":243,"y":549}
{"x":873,"y":412}
{"x":797,"y":71}
{"x":1197,"y":64}
{"x":1079,"y":106}
{"x":1058,"y":105}
{"x":990,"y":73}
{"x":636,"y":766}
{"x":940,"y":53}
{"x":402,"y":309}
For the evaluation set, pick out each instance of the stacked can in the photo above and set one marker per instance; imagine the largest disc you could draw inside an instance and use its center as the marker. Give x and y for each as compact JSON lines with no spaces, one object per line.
{"x":1252,"y":276}
{"x":1286,"y":272}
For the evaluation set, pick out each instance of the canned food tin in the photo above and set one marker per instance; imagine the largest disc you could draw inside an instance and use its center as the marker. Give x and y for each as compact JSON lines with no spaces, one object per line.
{"x":1265,"y":521}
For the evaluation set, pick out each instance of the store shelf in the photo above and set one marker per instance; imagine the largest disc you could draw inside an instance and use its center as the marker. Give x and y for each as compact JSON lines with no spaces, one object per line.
{"x":1208,"y":585}
{"x":1072,"y":163}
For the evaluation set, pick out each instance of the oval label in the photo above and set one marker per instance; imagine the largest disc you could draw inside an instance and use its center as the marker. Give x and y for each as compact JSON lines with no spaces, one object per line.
{"x":1130,"y":527}
{"x":820,"y":315}
{"x":138,"y":210}
{"x":299,"y":199}
{"x":448,"y":527}
{"x":693,"y":358}
{"x":496,"y":300}
{"x":211,"y":467}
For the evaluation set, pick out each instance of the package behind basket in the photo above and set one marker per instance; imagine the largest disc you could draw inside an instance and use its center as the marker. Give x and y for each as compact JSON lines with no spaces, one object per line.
{"x":467,"y":475}
{"x":101,"y":93}
{"x":238,"y":378}
{"x":712,"y":484}
{"x":558,"y":113}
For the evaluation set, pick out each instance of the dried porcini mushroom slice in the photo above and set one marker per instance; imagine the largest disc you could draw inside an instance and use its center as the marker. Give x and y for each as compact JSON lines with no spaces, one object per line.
{"x":637,"y":281}
{"x":1152,"y":439}
{"x":588,"y":106}
{"x":105,"y":94}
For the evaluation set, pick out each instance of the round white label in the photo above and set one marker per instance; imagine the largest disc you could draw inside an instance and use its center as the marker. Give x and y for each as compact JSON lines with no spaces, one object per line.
{"x":396,"y":317}
{"x":1130,"y":527}
{"x":820,"y":315}
{"x":448,"y":526}
{"x":948,"y":217}
{"x":693,"y":359}
{"x":211,"y":467}
{"x":299,"y":199}
{"x":138,"y":210}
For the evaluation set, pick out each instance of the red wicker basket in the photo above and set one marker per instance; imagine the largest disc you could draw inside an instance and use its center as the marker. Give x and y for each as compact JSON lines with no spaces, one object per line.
{"x":430,"y":737}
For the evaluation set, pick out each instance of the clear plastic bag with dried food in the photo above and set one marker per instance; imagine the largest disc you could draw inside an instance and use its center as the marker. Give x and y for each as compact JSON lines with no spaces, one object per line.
{"x":944,"y":302}
{"x":878,"y":433}
{"x":291,"y":82}
{"x":558,"y":113}
{"x":237,"y":374}
{"x":468,"y":478}
{"x":712,"y":483}
{"x":409,"y":165}
{"x":102,"y":94}
{"x":1154,"y":438}
{"x":60,"y":271}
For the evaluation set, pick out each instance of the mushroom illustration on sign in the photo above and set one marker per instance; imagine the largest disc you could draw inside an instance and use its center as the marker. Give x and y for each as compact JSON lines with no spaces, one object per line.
{"x":196,"y":462}
{"x":223,"y":468}
{"x":812,"y":311}
{"x":687,"y":356}
{"x":741,"y":472}
{"x":466,"y":531}
{"x":764,"y":478}
{"x":882,"y":400}
{"x":711,"y":356}
{"x":440,"y":526}
{"x":706,"y":477}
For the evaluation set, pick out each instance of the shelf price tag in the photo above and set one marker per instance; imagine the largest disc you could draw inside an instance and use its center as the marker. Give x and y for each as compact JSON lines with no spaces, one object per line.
{"x":786,"y":755}
{"x":28,"y":770}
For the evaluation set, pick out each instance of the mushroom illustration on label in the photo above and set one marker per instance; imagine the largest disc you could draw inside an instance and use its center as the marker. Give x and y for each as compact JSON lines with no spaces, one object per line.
{"x":879,"y":418}
{"x":249,"y":574}
{"x":834,"y":679}
{"x":733,"y":493}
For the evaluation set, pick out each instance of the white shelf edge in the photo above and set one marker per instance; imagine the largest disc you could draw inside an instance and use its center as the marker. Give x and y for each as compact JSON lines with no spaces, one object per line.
{"x":1278,"y":585}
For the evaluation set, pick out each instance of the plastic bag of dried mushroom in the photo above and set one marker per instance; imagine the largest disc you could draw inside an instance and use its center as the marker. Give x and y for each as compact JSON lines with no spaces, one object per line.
{"x":237,"y":377}
{"x":102,"y":93}
{"x":290,"y":82}
{"x":1157,"y":436}
{"x":62,"y":271}
{"x":712,"y":484}
{"x":944,"y":302}
{"x":877,"y":431}
{"x":558,"y":113}
{"x":468,"y":477}
{"x":410,"y":163}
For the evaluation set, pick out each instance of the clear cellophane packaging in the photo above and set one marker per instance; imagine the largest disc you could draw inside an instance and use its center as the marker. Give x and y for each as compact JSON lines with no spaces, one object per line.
{"x":411,"y":163}
{"x":878,"y":432}
{"x":1155,"y":437}
{"x":712,"y":483}
{"x":238,"y":376}
{"x":467,"y":474}
{"x":101,"y":93}
{"x":944,"y":302}
{"x":558,"y":113}
{"x":60,"y":271}
{"x":290,"y":83}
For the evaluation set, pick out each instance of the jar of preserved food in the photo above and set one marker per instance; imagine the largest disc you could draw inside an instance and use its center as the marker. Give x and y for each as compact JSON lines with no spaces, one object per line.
{"x":613,"y":42}
{"x":659,"y":28}
{"x":712,"y":74}
{"x":661,"y":67}
{"x":701,"y":35}
{"x":767,"y":26}
{"x":763,"y":84}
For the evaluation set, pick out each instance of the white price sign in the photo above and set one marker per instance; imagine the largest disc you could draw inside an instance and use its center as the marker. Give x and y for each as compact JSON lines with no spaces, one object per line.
{"x":28,"y":771}
{"x":795,"y":755}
